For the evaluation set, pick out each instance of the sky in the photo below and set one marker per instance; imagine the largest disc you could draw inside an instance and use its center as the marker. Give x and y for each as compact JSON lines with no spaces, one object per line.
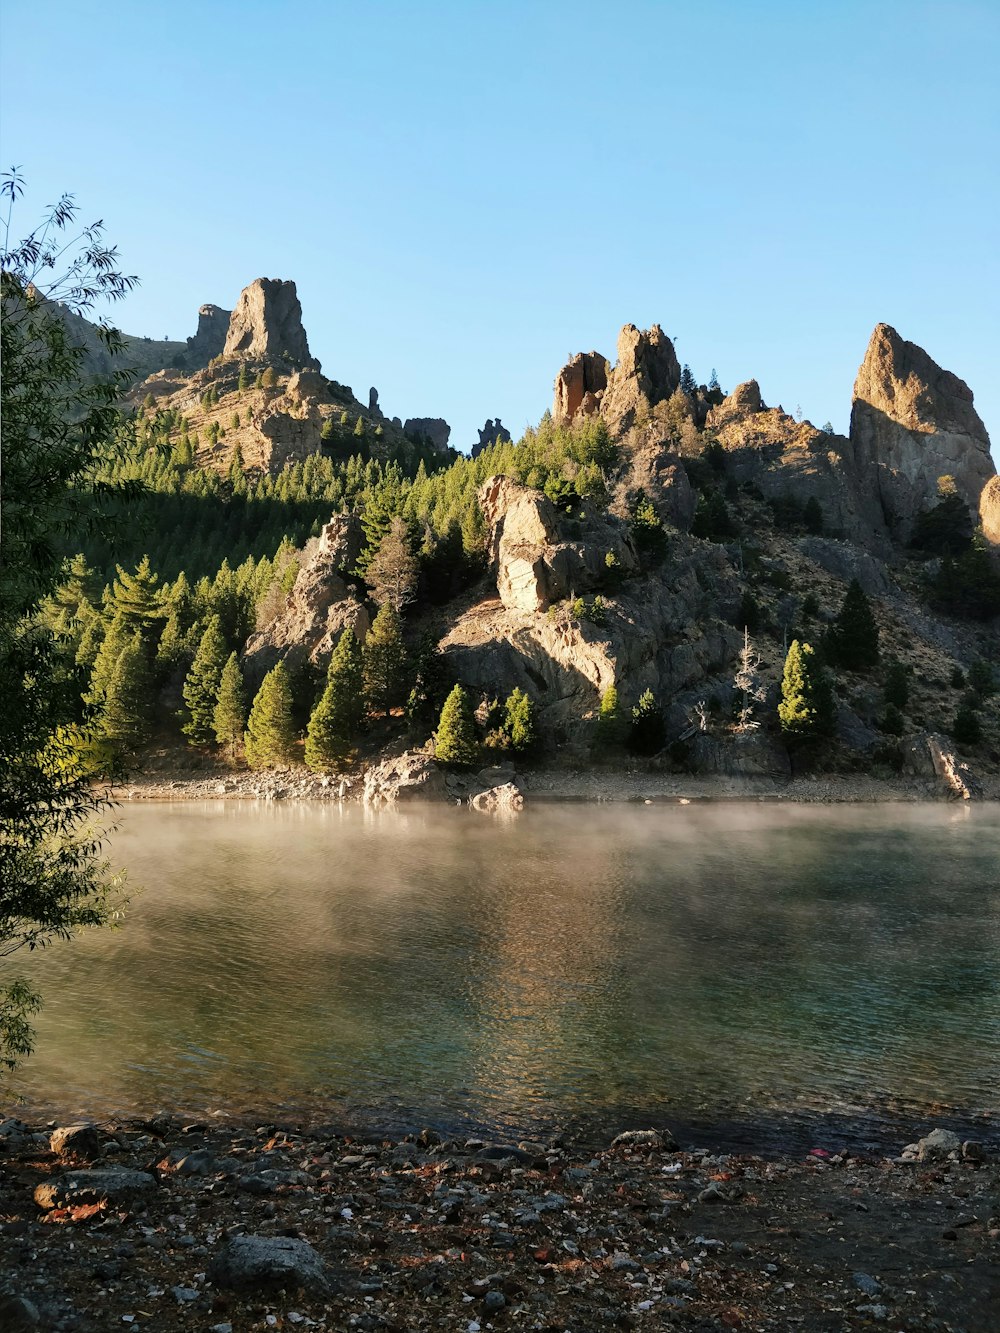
{"x":468,"y":192}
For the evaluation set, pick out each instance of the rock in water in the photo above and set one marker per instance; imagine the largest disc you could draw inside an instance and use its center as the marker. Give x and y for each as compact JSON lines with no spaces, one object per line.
{"x":911,"y":423}
{"x":268,"y":1263}
{"x":267,"y":325}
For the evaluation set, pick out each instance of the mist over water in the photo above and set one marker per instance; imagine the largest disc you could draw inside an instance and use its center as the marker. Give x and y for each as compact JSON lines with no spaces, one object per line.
{"x":577,"y":963}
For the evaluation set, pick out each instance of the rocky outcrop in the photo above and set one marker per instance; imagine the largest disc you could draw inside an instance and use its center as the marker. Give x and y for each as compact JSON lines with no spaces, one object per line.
{"x":848,"y":562}
{"x":209,"y":340}
{"x":647,"y":373}
{"x":433,"y":429}
{"x":267,"y":325}
{"x":533,"y":562}
{"x":960,"y":783}
{"x":494,"y":432}
{"x":580,"y":385}
{"x":911,"y":423}
{"x":405,"y":777}
{"x":743,"y":402}
{"x":320,"y":607}
{"x":659,"y":473}
{"x":373,"y":406}
{"x":751,"y":755}
{"x":989,"y":510}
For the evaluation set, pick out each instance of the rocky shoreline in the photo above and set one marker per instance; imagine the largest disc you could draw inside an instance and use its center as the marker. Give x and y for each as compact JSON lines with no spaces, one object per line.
{"x":159,"y":1224}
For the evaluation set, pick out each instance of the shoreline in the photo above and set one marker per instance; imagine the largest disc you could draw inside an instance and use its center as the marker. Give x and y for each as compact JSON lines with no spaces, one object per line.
{"x":543,"y":785}
{"x":163,"y":1224}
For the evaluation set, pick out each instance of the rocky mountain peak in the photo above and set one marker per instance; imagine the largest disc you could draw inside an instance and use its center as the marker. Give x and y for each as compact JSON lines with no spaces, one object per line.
{"x":267,"y":325}
{"x":913,"y":422}
{"x":647,"y":373}
{"x":580,"y":384}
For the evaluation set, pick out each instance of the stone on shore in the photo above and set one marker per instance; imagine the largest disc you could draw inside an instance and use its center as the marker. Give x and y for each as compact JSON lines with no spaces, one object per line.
{"x":82,"y":1140}
{"x":116,"y":1184}
{"x":938,"y":1144}
{"x":268,"y":1263}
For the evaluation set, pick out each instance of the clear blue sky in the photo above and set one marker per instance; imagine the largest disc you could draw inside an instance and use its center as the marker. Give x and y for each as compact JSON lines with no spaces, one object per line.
{"x":467,"y":192}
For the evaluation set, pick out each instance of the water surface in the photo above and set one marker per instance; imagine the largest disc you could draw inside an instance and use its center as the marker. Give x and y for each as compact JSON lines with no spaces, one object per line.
{"x":577,"y":963}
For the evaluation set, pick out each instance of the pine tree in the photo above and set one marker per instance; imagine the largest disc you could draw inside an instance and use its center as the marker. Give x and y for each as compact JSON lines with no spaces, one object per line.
{"x":610,"y":724}
{"x":270,"y":733}
{"x":201,"y":687}
{"x":688,"y":382}
{"x":455,"y":741}
{"x":648,"y":734}
{"x":807,"y":707}
{"x":852,"y":642}
{"x":337,"y":718}
{"x":230,"y":716}
{"x":897,"y":685}
{"x":136,"y":596}
{"x":393,"y":571}
{"x":116,"y":637}
{"x":384,"y":661}
{"x":128,"y":699}
{"x":243,"y":381}
{"x":519,"y":720}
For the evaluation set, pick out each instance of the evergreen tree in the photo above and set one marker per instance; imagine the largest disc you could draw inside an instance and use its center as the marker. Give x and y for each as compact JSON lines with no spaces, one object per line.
{"x":519,"y":720}
{"x":201,"y":687}
{"x":897,"y":685}
{"x":610,"y":723}
{"x":688,"y":382}
{"x":966,"y":729}
{"x":812,"y":516}
{"x":384,"y":662}
{"x":455,"y":741}
{"x":230,"y":716}
{"x":116,"y":637}
{"x":336,"y":720}
{"x":648,"y":733}
{"x":243,"y":382}
{"x":806,"y":710}
{"x":270,"y":735}
{"x":852,"y":641}
{"x":128,"y":699}
{"x":711,"y":518}
{"x":136,"y":596}
{"x":392,"y":571}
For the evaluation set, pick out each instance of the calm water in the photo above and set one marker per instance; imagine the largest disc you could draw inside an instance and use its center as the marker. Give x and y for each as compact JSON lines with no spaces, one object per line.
{"x":579,"y":963}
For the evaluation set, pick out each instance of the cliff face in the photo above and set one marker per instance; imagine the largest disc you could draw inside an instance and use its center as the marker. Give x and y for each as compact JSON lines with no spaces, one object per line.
{"x":267,"y":326}
{"x":911,"y":423}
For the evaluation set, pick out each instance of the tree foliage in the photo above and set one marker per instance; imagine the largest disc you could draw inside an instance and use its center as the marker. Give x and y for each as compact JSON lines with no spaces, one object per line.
{"x":806,"y":708}
{"x":456,"y":741}
{"x":269,"y":741}
{"x":852,"y":641}
{"x":338,"y":716}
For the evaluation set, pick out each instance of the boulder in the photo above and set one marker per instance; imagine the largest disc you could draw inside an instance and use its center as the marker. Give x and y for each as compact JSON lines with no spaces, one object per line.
{"x":989,"y":510}
{"x":911,"y":423}
{"x":116,"y":1184}
{"x":960,"y":783}
{"x":582,"y":379}
{"x":743,"y":402}
{"x":434,"y":429}
{"x":405,"y":777}
{"x":938,"y":1145}
{"x":268,"y":1264}
{"x":647,"y":373}
{"x":267,"y":325}
{"x":83,"y":1140}
{"x":498,"y":800}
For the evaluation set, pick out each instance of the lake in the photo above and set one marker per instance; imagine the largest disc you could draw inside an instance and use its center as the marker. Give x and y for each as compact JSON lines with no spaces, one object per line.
{"x":766,"y":970}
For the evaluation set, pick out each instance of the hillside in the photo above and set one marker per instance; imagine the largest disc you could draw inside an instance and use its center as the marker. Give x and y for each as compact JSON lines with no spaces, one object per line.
{"x":611,"y":567}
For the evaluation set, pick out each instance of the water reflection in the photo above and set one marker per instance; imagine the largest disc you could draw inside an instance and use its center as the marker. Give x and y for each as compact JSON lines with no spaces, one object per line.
{"x":437,"y":964}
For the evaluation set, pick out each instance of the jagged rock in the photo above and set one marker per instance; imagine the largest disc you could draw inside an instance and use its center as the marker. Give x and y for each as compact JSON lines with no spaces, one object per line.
{"x":267,"y":325}
{"x":989,"y":510}
{"x":750,"y":755}
{"x":268,"y":1263}
{"x":209,"y":340}
{"x":583,"y":377}
{"x":744,"y":401}
{"x":373,"y":406}
{"x":320,"y":606}
{"x":660,"y":474}
{"x":434,"y":429}
{"x":911,"y":423}
{"x":405,"y":777}
{"x":937,"y":1145}
{"x":847,"y":562}
{"x":533,"y":564}
{"x":494,"y":432}
{"x":647,"y":373}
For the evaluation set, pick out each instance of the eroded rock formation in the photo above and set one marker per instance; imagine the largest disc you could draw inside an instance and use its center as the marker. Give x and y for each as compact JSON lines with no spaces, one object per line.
{"x":579,"y":385}
{"x":209,"y":340}
{"x":494,"y":432}
{"x":434,"y":429}
{"x":267,"y":325}
{"x":647,"y":373}
{"x":911,"y":423}
{"x":320,"y":607}
{"x":989,"y":510}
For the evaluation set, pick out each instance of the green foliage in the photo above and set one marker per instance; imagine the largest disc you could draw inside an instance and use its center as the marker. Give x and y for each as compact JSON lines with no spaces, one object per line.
{"x":647,"y":530}
{"x":384,"y":662}
{"x":57,"y":428}
{"x":806,"y":708}
{"x":229,"y":717}
{"x":966,"y":728}
{"x":269,"y":378}
{"x":983,"y":678}
{"x":648,"y":733}
{"x":945,"y":529}
{"x":968,"y":586}
{"x":455,"y":739}
{"x":392,"y":571}
{"x":749,"y":615}
{"x":810,"y":606}
{"x":337,"y":718}
{"x":812,"y":516}
{"x":519,"y":721}
{"x":892,"y":721}
{"x":243,"y":383}
{"x":201,"y":687}
{"x":610,"y":722}
{"x":432,"y":682}
{"x":269,"y":741}
{"x":125,"y":717}
{"x":852,"y":641}
{"x":712,"y":519}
